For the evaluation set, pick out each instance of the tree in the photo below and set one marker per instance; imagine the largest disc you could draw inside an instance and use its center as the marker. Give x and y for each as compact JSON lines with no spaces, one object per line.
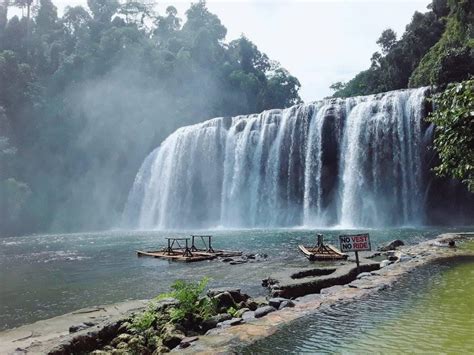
{"x":454,"y":135}
{"x":387,"y":40}
{"x":337,"y":86}
{"x":103,"y":10}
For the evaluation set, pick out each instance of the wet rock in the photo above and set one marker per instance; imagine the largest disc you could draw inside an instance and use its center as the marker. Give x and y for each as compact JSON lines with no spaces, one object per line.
{"x":226,"y":260}
{"x":263,"y":311}
{"x":238,"y":262}
{"x":385,"y":263}
{"x":250,"y":256}
{"x":287,"y":303}
{"x":394,"y":244}
{"x":364,"y":274}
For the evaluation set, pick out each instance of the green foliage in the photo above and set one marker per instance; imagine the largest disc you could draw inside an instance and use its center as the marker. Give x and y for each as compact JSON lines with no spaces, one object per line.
{"x":454,"y":140}
{"x":232,"y":311}
{"x":144,"y":320}
{"x":435,"y":49}
{"x":117,"y":70}
{"x":190,"y":300}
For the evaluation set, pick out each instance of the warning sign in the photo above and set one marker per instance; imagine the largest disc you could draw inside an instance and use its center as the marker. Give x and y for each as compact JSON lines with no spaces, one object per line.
{"x":357,"y":242}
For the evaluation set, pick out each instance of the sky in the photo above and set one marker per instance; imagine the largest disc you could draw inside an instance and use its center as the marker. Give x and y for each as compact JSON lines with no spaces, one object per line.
{"x":318,"y":41}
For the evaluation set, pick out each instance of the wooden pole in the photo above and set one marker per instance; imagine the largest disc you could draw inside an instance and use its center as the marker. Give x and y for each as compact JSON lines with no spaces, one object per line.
{"x":357,"y":261}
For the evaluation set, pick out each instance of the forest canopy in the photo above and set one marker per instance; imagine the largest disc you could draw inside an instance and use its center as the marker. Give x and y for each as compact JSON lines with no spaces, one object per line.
{"x":84,"y":97}
{"x":436,"y":48}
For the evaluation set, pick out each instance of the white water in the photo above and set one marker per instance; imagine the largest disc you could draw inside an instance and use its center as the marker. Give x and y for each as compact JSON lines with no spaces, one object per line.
{"x":350,"y":162}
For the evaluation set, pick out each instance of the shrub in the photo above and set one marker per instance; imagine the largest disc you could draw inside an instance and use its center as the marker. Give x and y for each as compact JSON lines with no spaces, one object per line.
{"x":454,"y":138}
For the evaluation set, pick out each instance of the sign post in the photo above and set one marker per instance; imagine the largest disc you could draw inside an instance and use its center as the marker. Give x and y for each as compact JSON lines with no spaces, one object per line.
{"x":355,"y":243}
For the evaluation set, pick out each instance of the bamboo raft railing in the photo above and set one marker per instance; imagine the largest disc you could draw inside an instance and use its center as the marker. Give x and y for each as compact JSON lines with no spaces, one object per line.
{"x":322,"y":252}
{"x":178,"y":249}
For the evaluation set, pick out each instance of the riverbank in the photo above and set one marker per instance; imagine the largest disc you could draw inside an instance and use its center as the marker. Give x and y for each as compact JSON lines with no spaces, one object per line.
{"x":46,"y":335}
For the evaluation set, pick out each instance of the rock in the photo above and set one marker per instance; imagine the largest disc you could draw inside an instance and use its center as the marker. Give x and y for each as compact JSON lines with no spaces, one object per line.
{"x":238,"y":262}
{"x":263,"y":311}
{"x":250,"y":256}
{"x":287,"y":303}
{"x":392,"y":258}
{"x":225,"y":300}
{"x":252,"y":305}
{"x":124,"y":337}
{"x":248,"y":315}
{"x":171,"y":336}
{"x":404,"y":257}
{"x":122,"y":345}
{"x":161,"y":350}
{"x":79,"y":327}
{"x":394,"y":244}
{"x":215,"y":291}
{"x":241,"y":311}
{"x":165,"y":303}
{"x":261,"y":301}
{"x":213,"y":321}
{"x":100,"y":352}
{"x":226,"y":260}
{"x":330,"y":290}
{"x":186,"y":342}
{"x":385,"y":263}
{"x":275,"y":301}
{"x":230,"y":323}
{"x":363,"y":274}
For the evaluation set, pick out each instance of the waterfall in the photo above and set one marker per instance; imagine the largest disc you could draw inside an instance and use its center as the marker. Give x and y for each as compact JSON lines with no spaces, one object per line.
{"x":353,"y":162}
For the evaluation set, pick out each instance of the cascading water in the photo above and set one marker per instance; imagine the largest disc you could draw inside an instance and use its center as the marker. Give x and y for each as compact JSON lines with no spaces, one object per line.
{"x":354,"y":162}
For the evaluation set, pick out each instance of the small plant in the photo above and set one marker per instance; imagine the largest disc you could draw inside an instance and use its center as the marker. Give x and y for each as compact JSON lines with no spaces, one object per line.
{"x":190,"y":300}
{"x":144,"y":320}
{"x":232,"y":311}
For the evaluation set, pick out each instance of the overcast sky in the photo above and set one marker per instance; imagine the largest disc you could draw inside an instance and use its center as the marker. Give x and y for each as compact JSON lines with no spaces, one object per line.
{"x":318,"y":41}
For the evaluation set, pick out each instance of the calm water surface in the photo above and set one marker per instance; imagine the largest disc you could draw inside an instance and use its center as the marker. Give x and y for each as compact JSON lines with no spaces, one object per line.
{"x":42,"y":276}
{"x":429,"y":311}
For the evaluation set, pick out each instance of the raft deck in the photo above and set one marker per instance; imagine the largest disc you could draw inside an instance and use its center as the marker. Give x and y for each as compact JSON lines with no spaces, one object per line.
{"x":179,"y":251}
{"x":322,"y":253}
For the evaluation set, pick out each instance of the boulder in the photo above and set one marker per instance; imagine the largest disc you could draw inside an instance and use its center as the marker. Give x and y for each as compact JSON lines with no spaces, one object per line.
{"x":251,"y":304}
{"x":230,"y":323}
{"x":276,"y":301}
{"x":287,"y":303}
{"x":248,"y":315}
{"x":263,"y":311}
{"x":213,"y":321}
{"x":364,"y":274}
{"x":225,"y":300}
{"x":394,"y":244}
{"x":171,"y":336}
{"x":385,"y":263}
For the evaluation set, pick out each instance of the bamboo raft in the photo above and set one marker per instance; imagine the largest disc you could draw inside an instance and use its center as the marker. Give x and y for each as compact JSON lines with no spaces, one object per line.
{"x":322,"y":252}
{"x":177,"y":251}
